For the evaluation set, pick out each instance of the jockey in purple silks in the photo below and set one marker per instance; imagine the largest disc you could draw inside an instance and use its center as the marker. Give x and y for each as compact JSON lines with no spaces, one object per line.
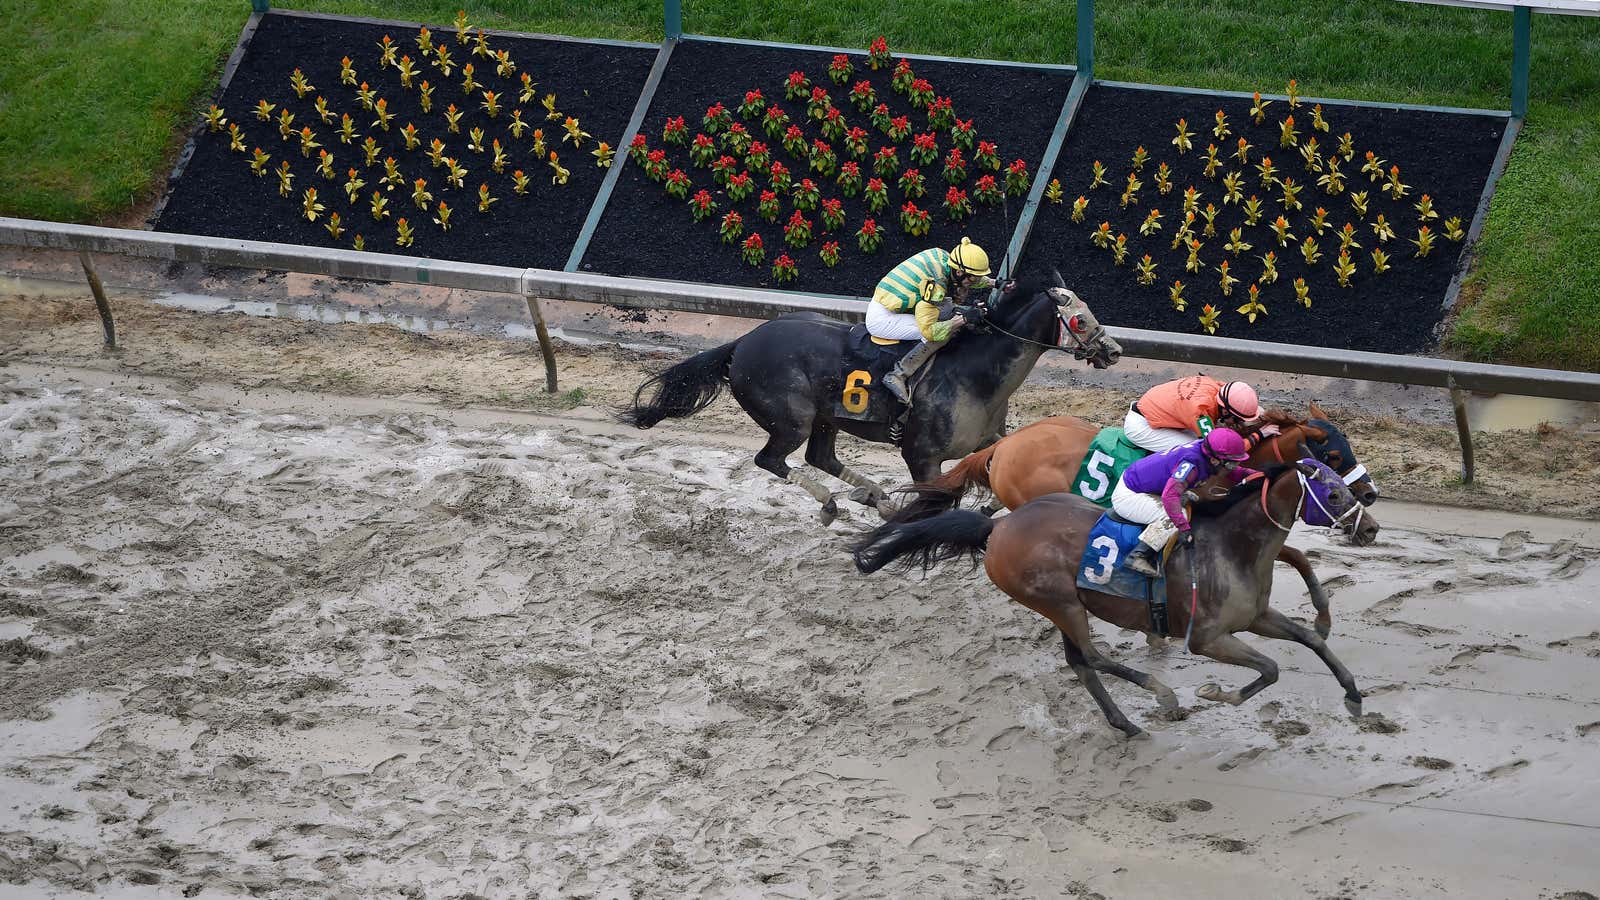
{"x":1151,"y":491}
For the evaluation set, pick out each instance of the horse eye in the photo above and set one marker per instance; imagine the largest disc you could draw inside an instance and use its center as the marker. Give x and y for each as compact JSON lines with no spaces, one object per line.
{"x":1076,"y":324}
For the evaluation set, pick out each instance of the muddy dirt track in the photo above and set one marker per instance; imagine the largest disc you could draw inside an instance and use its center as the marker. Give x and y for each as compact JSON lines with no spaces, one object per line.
{"x":292,"y":643}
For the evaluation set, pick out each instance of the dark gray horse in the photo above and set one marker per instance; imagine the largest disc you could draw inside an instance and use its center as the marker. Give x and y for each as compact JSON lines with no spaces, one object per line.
{"x":787,"y":373}
{"x":1034,"y":555}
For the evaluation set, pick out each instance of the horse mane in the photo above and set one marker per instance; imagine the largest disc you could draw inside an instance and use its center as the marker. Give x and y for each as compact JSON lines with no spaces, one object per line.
{"x":1210,"y":509}
{"x":1281,"y":417}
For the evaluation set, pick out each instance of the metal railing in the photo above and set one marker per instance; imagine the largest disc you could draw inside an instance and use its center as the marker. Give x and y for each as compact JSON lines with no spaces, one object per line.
{"x":721,"y":300}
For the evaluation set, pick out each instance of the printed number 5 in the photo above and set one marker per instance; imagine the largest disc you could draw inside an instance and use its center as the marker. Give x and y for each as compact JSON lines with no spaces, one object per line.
{"x":1107,"y":561}
{"x":1102,"y":480}
{"x":855,"y":391}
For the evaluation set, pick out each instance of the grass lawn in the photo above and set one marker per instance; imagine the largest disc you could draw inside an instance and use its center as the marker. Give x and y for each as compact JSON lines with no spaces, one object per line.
{"x":96,"y":96}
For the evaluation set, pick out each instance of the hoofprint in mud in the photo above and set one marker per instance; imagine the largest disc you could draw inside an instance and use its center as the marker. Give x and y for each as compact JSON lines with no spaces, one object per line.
{"x":307,"y":656}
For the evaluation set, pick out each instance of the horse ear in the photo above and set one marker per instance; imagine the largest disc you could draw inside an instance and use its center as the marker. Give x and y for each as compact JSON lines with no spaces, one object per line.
{"x":1316,"y":411}
{"x":1056,"y":276}
{"x":1313,"y":433}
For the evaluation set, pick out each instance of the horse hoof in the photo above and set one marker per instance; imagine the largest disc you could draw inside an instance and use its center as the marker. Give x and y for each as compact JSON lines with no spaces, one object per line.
{"x":1137,"y":734}
{"x":1210,"y":691}
{"x":830,"y":511}
{"x":1167,"y":700}
{"x":1353,"y":704}
{"x":867,"y":496}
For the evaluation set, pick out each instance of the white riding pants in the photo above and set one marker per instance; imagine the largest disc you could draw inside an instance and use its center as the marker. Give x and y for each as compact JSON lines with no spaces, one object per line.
{"x":1136,"y":507}
{"x":1145,"y":509}
{"x":1156,"y":440}
{"x":891,"y":326}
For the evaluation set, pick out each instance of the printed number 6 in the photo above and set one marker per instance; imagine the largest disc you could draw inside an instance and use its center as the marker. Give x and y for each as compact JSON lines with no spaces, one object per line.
{"x":855,"y":391}
{"x":1107,"y":561}
{"x":1102,"y":480}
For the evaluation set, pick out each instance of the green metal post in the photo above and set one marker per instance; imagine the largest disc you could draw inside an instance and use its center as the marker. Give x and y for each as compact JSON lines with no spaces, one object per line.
{"x":1521,"y":28}
{"x":260,"y":6}
{"x":674,"y":18}
{"x":1086,"y":38}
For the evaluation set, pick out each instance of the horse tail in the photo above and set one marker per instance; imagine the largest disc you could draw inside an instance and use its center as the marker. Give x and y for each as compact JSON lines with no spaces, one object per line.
{"x":925,"y":543}
{"x":946,"y":491}
{"x":680,"y":391}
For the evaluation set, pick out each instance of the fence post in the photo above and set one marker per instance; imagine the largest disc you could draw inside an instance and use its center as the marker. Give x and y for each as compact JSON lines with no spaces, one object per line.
{"x":100,"y":301}
{"x":260,"y":6}
{"x":1521,"y":50}
{"x":673,"y":10}
{"x":1085,"y":60}
{"x":545,"y":346}
{"x":1458,"y":402}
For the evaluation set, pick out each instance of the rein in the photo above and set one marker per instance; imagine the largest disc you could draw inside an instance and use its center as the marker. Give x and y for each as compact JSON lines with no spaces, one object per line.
{"x":1298,"y":506}
{"x":1080,"y":351}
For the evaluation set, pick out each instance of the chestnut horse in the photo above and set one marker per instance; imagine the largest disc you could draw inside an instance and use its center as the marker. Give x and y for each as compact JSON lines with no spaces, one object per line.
{"x":1034,"y":555}
{"x":1044,"y":457}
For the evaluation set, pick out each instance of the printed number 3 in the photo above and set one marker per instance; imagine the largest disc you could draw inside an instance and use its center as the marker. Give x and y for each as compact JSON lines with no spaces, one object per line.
{"x":1102,"y":480}
{"x":855,"y":391}
{"x":1107,"y":561}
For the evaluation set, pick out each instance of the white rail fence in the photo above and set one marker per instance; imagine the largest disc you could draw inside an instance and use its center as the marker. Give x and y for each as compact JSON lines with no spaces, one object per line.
{"x":533,"y":284}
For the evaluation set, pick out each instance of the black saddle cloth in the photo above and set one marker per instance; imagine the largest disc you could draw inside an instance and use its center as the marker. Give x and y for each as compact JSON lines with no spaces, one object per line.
{"x":863,"y":366}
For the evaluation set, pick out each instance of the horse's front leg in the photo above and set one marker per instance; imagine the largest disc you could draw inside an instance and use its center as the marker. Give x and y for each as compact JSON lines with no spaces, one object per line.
{"x":822,"y":455}
{"x":1229,"y":649}
{"x":1276,"y":625}
{"x":1319,"y":597}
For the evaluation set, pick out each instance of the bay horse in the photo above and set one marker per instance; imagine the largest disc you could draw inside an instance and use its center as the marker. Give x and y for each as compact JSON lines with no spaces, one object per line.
{"x":1044,"y":457}
{"x":1034,"y":554}
{"x":786,"y":374}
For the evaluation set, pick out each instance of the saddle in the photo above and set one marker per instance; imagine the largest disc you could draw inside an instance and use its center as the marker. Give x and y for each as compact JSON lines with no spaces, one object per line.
{"x":866,"y":360}
{"x":1110,"y":542}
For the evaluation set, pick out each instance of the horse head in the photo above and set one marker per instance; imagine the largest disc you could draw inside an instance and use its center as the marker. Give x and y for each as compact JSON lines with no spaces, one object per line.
{"x":1329,"y":503}
{"x":1050,"y":314}
{"x":1326,"y":443}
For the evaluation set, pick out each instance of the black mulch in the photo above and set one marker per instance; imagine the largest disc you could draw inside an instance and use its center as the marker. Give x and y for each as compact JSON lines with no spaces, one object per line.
{"x":1445,"y":155}
{"x":645,"y":232}
{"x":218,"y":195}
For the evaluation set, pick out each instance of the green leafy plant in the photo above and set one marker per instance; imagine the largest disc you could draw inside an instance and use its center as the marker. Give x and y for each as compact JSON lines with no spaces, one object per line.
{"x":986,"y":191}
{"x":603,"y":156}
{"x":1383,"y":230}
{"x":806,"y":195}
{"x":1130,"y":193}
{"x":830,"y":214}
{"x":1380,"y":261}
{"x":797,"y":86}
{"x":1291,"y":194}
{"x":915,"y":220}
{"x":775,"y":122}
{"x":1227,"y":281}
{"x":678,"y":184}
{"x":1102,"y":237}
{"x":405,"y":235}
{"x":235,"y":138}
{"x":1311,"y":155}
{"x":520,"y":182}
{"x":1212,"y":162}
{"x":1253,"y":307}
{"x":1052,"y":191}
{"x":468,"y":82}
{"x":1099,"y":172}
{"x":1119,"y":249}
{"x":702,"y":205}
{"x":1151,"y":223}
{"x":379,"y":206}
{"x":758,"y":157}
{"x":723,"y":169}
{"x":420,"y":194}
{"x":1232,"y":188}
{"x":1309,"y":251}
{"x":753,"y":251}
{"x":1164,"y":179}
{"x":1344,"y":268}
{"x":1194,"y":263}
{"x":740,"y":186}
{"x":335,"y":228}
{"x":1358,"y":202}
{"x":941,"y":113}
{"x":767,"y":206}
{"x":325,"y":164}
{"x":1242,"y":152}
{"x":347,"y":72}
{"x":784,"y":269}
{"x":475,"y":140}
{"x":1236,"y":243}
{"x":1185,"y":139}
{"x":902,"y":77}
{"x":823,"y":160}
{"x":818,"y":104}
{"x":484,"y":199}
{"x":1208,"y":318}
{"x":868,"y":237}
{"x":1373,"y":167}
{"x":309,"y":206}
{"x":912,"y":184}
{"x":1452,"y":227}
{"x":1268,"y":174}
{"x":878,"y":53}
{"x":1220,"y":130}
{"x":920,"y":93}
{"x":455,"y":173}
{"x":717,"y":118}
{"x":301,"y":86}
{"x":1302,"y":293}
{"x":1287,"y":136}
{"x":833,"y":124}
{"x":1424,"y":241}
{"x":1210,"y":215}
{"x":955,"y":168}
{"x":732,"y":227}
{"x":703,"y":150}
{"x":1018,"y":180}
{"x":1269,"y":268}
{"x":956,"y":204}
{"x":849,"y":179}
{"x":1258,"y":109}
{"x":1280,"y":229}
{"x":1079,"y":207}
{"x":875,"y":195}
{"x":1146,"y":268}
{"x":1395,"y":189}
{"x":442,"y":213}
{"x":863,"y":96}
{"x":1175,"y":295}
{"x":829,"y":253}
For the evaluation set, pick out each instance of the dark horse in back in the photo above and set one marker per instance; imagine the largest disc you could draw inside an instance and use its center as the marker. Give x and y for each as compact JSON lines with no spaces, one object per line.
{"x":789,"y":372}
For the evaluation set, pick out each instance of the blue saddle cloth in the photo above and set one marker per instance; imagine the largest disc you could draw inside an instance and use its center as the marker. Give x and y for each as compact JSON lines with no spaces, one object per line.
{"x":1110,"y":542}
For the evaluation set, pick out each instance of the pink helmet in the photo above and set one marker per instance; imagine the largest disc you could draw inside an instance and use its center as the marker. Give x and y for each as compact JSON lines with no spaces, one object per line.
{"x":1239,"y":399}
{"x":1225,"y":443}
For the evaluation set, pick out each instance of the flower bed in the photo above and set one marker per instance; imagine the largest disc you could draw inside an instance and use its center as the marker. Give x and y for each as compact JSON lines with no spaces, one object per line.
{"x":522,"y":209}
{"x":790,"y":166}
{"x":1124,"y":257}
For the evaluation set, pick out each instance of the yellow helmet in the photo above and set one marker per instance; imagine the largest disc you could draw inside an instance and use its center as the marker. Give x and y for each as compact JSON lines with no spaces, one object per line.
{"x":970,"y":258}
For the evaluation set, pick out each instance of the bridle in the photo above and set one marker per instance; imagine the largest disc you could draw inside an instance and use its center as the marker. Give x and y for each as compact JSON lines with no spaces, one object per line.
{"x":1356,"y":473}
{"x":1084,"y":338}
{"x":1300,"y":504}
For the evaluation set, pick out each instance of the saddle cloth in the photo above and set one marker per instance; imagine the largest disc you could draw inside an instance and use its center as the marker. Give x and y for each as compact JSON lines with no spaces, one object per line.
{"x":1108,"y":456}
{"x":1110,"y":541}
{"x":865,"y":361}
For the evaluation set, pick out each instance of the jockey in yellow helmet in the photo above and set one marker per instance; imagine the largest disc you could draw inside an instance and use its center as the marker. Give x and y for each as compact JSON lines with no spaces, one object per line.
{"x":906,"y":304}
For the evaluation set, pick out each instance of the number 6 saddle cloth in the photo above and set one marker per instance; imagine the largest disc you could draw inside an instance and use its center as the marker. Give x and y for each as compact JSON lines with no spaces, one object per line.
{"x":1110,"y":542}
{"x":865,"y":361}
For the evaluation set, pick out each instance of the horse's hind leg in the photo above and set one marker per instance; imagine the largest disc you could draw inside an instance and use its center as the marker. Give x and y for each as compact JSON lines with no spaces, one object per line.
{"x":1274,"y":624}
{"x":1091,"y":681}
{"x":1319,"y":597}
{"x":774,"y":458}
{"x":1229,"y":649}
{"x":821,"y":454}
{"x":1074,"y":625}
